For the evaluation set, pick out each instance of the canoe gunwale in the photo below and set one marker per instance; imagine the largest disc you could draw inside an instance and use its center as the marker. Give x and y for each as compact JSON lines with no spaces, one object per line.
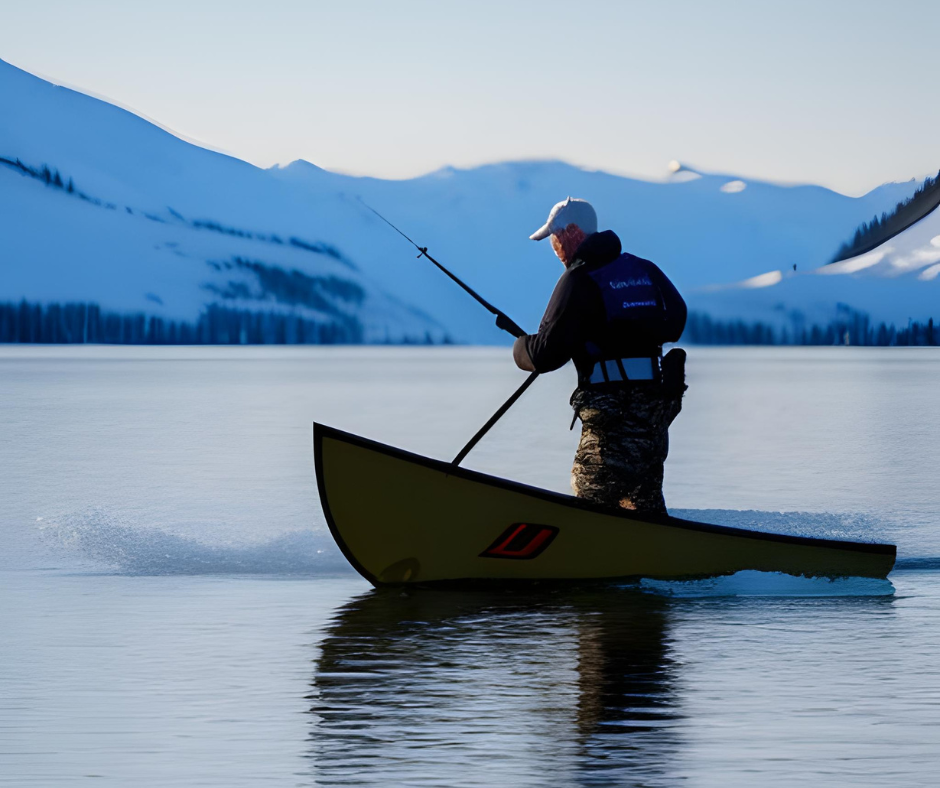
{"x":322,"y":431}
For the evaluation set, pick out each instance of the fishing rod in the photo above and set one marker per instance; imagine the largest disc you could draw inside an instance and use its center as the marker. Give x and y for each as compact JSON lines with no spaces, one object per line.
{"x":493,"y":419}
{"x":503,"y":321}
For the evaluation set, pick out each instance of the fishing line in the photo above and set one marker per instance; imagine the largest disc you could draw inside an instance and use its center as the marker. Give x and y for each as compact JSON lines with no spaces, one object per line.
{"x":503,"y":321}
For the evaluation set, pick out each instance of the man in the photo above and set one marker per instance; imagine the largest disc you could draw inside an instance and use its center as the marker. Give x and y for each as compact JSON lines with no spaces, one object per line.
{"x":611,"y":313}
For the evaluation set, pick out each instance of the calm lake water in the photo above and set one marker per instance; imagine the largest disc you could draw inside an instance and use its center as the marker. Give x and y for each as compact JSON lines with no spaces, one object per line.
{"x":173,"y":611}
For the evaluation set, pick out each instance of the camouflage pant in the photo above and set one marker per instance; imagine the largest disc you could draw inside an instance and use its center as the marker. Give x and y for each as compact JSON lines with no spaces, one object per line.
{"x":624,"y":443}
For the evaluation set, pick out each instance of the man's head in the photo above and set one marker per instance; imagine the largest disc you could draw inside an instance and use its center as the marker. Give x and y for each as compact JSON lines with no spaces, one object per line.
{"x":569,"y":223}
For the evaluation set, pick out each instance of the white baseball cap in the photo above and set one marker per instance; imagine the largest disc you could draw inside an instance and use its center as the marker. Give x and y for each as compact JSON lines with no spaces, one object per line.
{"x":570,"y":211}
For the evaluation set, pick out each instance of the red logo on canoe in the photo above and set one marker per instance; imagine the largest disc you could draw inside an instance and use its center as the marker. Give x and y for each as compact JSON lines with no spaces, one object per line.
{"x":521,"y":541}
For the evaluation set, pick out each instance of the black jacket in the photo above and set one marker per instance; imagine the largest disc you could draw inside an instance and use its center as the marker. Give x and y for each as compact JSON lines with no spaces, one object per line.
{"x":578,"y":324}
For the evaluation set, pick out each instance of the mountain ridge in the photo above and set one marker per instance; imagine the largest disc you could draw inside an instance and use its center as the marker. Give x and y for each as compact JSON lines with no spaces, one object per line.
{"x":180,"y":202}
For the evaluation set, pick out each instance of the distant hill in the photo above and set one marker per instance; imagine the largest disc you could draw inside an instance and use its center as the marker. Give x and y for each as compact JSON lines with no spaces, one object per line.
{"x":116,"y":221}
{"x":870,"y":235}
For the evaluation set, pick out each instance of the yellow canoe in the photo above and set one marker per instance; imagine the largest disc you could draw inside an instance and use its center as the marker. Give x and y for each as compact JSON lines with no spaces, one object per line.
{"x":401,"y":518}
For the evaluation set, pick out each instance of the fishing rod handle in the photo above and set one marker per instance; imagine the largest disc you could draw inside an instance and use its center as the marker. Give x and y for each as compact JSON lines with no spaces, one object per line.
{"x":507,"y":324}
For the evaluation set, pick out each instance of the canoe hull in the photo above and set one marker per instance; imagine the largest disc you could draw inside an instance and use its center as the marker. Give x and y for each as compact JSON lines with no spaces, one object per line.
{"x":400,"y":518}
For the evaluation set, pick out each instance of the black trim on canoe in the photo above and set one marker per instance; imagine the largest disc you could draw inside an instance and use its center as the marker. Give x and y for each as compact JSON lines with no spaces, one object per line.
{"x":321,"y":431}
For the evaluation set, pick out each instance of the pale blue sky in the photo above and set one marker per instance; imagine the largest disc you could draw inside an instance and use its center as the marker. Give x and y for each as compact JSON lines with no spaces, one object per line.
{"x":839,"y":93}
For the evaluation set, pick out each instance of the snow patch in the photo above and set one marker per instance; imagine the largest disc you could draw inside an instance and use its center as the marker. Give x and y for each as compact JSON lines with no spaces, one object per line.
{"x":733,"y":187}
{"x":769,"y":279}
{"x":929,"y":274}
{"x":916,"y":259}
{"x":855,"y":264}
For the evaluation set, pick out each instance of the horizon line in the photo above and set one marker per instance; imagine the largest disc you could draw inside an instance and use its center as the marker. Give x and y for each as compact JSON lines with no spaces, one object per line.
{"x":444,"y":168}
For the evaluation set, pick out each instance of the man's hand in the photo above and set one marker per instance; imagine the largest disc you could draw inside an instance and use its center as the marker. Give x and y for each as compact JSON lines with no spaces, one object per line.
{"x":520,"y":355}
{"x":506,"y":324}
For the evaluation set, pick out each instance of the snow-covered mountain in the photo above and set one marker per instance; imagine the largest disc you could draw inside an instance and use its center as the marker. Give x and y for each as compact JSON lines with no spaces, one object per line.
{"x":897,"y":282}
{"x":100,"y":206}
{"x":130,"y":217}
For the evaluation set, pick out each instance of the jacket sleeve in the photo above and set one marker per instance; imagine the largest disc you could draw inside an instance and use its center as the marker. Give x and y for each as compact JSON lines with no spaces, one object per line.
{"x":676,"y":310}
{"x":554,"y":344}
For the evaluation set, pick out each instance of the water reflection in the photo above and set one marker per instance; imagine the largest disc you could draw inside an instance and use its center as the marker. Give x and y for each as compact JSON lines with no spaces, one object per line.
{"x":496,"y":688}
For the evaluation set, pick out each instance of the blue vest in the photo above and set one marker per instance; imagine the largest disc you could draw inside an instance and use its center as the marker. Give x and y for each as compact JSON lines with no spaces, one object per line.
{"x":638,"y":316}
{"x":629,"y":292}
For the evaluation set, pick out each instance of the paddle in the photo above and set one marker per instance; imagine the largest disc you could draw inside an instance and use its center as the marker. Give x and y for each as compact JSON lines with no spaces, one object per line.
{"x":503,"y":321}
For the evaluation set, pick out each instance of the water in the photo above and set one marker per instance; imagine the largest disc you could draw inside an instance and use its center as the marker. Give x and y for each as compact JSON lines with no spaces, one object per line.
{"x":174,"y":613}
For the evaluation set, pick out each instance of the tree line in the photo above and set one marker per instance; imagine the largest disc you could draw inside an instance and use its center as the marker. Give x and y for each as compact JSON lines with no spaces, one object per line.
{"x":53,"y":178}
{"x":853,"y":329}
{"x":78,"y":323}
{"x":87,"y":323}
{"x":871,"y":235}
